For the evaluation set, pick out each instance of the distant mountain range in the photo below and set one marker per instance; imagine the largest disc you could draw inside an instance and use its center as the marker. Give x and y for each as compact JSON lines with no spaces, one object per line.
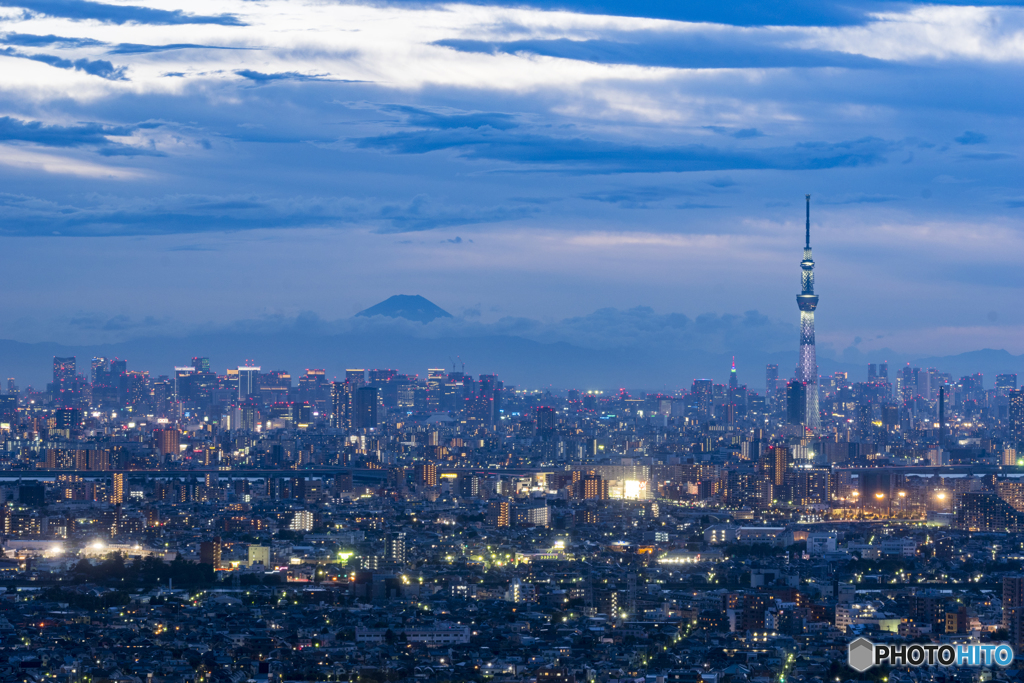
{"x":411,"y":334}
{"x":411,"y":307}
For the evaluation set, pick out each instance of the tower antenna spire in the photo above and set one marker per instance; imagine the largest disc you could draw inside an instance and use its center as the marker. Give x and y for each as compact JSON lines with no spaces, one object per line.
{"x":807,"y":244}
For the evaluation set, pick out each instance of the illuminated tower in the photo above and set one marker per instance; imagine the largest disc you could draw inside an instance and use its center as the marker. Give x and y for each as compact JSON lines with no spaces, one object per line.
{"x":807,"y":300}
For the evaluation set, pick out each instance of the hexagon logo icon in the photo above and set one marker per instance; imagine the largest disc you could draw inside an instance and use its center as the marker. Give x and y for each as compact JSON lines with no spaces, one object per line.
{"x":862,"y":655}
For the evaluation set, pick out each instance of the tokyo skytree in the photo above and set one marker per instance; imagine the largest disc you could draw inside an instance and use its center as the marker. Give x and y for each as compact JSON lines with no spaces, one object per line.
{"x":807,"y":300}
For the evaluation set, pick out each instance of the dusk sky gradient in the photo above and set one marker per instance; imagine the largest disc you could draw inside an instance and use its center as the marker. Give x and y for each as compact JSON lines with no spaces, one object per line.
{"x":168,"y":167}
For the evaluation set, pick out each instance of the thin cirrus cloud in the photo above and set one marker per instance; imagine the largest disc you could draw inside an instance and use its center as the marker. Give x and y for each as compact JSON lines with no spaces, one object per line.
{"x":591,"y":117}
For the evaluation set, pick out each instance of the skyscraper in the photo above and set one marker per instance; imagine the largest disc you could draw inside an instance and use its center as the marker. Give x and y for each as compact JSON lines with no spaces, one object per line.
{"x":341,"y":405}
{"x":807,"y":300}
{"x":364,"y":408}
{"x":702,"y":394}
{"x":248,"y":381}
{"x":771,"y":381}
{"x":1016,"y":416}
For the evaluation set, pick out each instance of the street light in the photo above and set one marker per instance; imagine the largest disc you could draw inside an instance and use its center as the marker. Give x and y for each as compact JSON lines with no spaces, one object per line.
{"x":879,"y":496}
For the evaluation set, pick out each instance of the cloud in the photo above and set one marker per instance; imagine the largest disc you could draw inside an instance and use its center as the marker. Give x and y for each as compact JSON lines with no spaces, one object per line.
{"x":453,"y":120}
{"x":696,"y":205}
{"x":603,"y":156}
{"x":422,"y":213}
{"x":117,"y":323}
{"x":117,"y":14}
{"x":739,"y":13}
{"x":288,"y":76}
{"x":739,"y":134}
{"x":633,"y":197}
{"x":722,"y":182}
{"x":49,"y":40}
{"x":140,"y":49}
{"x":971,"y":138}
{"x":200,"y":214}
{"x":23,"y":158}
{"x":858,"y":199}
{"x":94,"y":135}
{"x":665,"y":49}
{"x":989,"y":156}
{"x":95,"y":67}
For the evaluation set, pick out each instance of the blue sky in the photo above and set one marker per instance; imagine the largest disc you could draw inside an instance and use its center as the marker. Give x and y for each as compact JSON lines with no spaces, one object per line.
{"x":172,"y":166}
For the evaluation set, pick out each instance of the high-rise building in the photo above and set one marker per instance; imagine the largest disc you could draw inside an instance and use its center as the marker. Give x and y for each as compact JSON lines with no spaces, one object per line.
{"x":499,"y":513}
{"x":1012,"y":491}
{"x":807,"y":301}
{"x":778,"y":461}
{"x":435,"y":388}
{"x":364,"y":408}
{"x":1015,"y":414}
{"x":182,"y":385}
{"x":427,"y":473}
{"x":356,"y":377}
{"x":167,"y":441}
{"x":395,"y":551}
{"x":771,"y":381}
{"x":980,"y":511}
{"x":341,"y":405}
{"x":99,"y":371}
{"x":302,"y":521}
{"x":248,"y":381}
{"x":733,"y":380}
{"x":209,"y":552}
{"x":117,"y":489}
{"x":66,"y":388}
{"x":594,"y":487}
{"x":63,"y":369}
{"x":796,"y":402}
{"x":702,"y":394}
{"x":810,"y":486}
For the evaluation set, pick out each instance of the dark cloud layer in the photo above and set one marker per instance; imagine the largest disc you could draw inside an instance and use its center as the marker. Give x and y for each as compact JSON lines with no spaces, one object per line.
{"x":92,"y":135}
{"x":601,"y":156}
{"x":95,"y":67}
{"x":194,"y":214}
{"x":116,"y":14}
{"x":682,"y":52}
